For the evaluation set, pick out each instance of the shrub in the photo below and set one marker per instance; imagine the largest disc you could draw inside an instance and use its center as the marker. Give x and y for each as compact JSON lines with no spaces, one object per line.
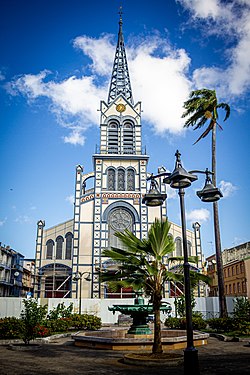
{"x":31,"y":316}
{"x":86,"y":321}
{"x":221,"y":324}
{"x":180,"y":305}
{"x":60,"y":311}
{"x":199,"y":323}
{"x":242,"y":309}
{"x":10,"y":328}
{"x":58,"y":325}
{"x":42,"y":331}
{"x":180,"y":323}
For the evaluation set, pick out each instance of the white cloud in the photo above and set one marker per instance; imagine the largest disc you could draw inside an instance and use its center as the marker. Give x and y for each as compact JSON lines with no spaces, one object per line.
{"x":101,"y":51}
{"x":154,"y":66}
{"x":203,"y":8}
{"x":70,"y":199}
{"x":74,"y":101}
{"x":231,"y":20}
{"x":200,"y":215}
{"x":227,"y":188}
{"x":166,"y":78}
{"x":3,"y":221}
{"x":22,"y":219}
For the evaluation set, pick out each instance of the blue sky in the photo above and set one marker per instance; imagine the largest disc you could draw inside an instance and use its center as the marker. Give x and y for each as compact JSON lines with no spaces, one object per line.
{"x":56,"y":62}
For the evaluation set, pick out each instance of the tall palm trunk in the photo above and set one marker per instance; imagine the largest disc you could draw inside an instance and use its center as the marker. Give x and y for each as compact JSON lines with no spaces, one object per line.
{"x":157,"y":345}
{"x":221,"y":289}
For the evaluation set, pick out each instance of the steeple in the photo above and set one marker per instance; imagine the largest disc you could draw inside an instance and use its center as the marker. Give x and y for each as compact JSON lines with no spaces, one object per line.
{"x":120,"y":82}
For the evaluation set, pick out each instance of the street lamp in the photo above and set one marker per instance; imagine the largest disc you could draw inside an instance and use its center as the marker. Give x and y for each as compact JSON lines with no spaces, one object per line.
{"x":181,"y":179}
{"x":78,"y":276}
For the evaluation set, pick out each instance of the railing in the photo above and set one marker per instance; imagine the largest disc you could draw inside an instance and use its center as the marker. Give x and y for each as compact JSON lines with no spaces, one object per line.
{"x":129,"y":150}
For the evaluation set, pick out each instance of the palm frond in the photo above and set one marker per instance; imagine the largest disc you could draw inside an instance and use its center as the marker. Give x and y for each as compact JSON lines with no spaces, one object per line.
{"x":226,"y":107}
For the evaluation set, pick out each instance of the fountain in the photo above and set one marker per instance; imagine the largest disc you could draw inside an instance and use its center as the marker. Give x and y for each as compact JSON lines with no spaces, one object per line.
{"x":139,"y":336}
{"x":139,"y":313}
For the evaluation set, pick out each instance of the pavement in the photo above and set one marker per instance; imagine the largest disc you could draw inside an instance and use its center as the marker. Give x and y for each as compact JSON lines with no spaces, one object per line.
{"x":63,"y":358}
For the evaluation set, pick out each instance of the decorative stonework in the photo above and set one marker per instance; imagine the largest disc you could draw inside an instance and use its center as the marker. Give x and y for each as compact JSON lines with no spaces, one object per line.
{"x":87,"y":198}
{"x":120,"y":195}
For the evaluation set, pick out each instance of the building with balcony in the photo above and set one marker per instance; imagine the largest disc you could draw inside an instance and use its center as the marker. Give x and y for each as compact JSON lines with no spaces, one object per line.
{"x":11,"y":272}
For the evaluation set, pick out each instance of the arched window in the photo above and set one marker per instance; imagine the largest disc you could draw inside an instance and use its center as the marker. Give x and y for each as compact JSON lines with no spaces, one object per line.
{"x":130,"y":179}
{"x":68,"y":250}
{"x":113,"y":138}
{"x":120,"y":179}
{"x":171,"y":237}
{"x":128,"y":138}
{"x":178,"y":247}
{"x":119,"y":220}
{"x":50,"y":246}
{"x":189,"y":248}
{"x":111,"y":179}
{"x":59,"y":244}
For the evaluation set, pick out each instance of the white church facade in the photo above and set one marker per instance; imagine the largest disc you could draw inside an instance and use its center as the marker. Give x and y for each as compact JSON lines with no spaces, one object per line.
{"x":107,"y":199}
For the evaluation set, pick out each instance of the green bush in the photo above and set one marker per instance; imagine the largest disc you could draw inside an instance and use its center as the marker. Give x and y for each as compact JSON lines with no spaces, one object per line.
{"x":10,"y":328}
{"x":60,"y":311}
{"x":180,"y":323}
{"x":242,"y":309}
{"x":58,"y":325}
{"x":173,"y":323}
{"x":32,"y":315}
{"x":221,"y":325}
{"x":42,"y":331}
{"x":85,"y":321}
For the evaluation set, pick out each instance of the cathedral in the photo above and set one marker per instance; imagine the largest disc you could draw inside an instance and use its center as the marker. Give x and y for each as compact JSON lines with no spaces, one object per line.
{"x":107,"y":199}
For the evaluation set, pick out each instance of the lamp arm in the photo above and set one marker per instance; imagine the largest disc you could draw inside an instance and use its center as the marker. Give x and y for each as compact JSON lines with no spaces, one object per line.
{"x":154,"y":176}
{"x":206,"y":172}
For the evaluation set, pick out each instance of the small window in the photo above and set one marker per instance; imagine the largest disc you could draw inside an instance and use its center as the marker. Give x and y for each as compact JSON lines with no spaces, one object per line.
{"x":50,"y":246}
{"x":59,"y":244}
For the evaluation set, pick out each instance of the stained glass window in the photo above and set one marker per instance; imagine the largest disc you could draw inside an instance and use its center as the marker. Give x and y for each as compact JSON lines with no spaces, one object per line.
{"x":59,"y":243}
{"x":189,"y":247}
{"x":130,"y":179}
{"x":120,"y":179}
{"x":111,"y":179}
{"x":68,"y":251}
{"x":178,"y":247}
{"x":49,"y":245}
{"x":119,"y":220}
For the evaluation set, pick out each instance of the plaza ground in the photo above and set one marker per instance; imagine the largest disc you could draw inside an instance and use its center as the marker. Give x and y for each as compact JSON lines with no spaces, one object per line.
{"x":63,"y":358}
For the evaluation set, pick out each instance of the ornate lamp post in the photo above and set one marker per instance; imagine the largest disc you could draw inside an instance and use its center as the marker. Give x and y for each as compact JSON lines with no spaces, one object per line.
{"x":181,"y":179}
{"x":78,"y":276}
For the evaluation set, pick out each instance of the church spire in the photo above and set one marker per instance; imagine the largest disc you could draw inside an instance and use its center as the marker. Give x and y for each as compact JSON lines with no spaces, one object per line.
{"x":120,"y":82}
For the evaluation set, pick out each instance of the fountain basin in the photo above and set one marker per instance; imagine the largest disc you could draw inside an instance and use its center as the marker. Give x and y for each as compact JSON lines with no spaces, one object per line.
{"x":119,"y":339}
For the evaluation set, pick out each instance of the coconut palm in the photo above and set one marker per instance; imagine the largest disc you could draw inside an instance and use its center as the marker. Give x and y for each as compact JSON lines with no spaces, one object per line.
{"x":140,"y":264}
{"x":202,"y":109}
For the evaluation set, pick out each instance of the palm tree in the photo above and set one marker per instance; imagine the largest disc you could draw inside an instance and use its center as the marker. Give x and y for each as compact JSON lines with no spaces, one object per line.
{"x":202,"y":108}
{"x":140,"y":264}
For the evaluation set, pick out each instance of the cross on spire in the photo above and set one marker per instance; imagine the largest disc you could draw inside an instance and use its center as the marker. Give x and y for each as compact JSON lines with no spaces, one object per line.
{"x":120,"y":81}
